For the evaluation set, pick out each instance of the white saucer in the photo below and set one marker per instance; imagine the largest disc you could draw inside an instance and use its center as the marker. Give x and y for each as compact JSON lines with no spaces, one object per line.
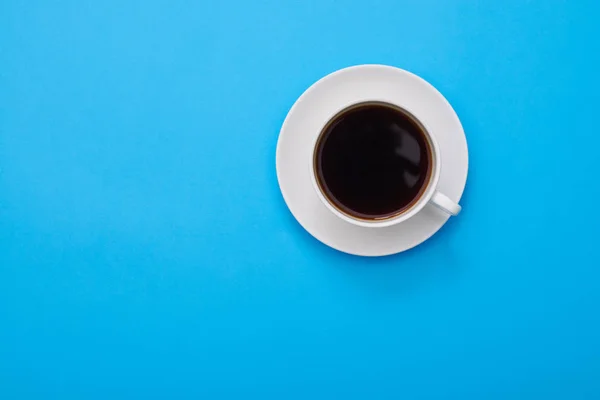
{"x":310,"y":113}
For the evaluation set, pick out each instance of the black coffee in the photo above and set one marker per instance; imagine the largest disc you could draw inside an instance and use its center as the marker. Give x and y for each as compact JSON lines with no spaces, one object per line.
{"x":373,"y":161}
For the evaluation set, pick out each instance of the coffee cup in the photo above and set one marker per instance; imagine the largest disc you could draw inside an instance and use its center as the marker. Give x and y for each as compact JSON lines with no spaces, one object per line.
{"x":376,"y":164}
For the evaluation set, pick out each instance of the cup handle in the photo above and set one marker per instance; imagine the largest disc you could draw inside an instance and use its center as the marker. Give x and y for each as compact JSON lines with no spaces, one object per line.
{"x":442,"y":202}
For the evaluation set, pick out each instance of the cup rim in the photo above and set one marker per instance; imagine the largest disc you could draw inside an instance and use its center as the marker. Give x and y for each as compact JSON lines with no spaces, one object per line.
{"x":418,"y":205}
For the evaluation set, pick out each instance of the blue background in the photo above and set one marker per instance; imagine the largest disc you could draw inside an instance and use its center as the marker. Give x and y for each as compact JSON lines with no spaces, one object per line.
{"x":146,"y":252}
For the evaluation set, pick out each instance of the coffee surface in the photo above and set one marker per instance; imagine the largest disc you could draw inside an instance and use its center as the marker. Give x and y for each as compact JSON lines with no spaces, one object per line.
{"x":373,"y":161}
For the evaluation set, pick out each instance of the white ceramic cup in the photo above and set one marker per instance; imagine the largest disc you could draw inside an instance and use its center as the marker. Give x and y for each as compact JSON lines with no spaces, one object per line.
{"x":430,"y":195}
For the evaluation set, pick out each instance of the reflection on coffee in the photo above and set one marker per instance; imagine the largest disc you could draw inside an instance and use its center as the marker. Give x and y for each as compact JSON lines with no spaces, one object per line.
{"x":373,"y":161}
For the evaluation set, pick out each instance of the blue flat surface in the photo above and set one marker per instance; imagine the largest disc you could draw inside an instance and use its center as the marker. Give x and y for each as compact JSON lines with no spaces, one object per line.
{"x":146,"y":252}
